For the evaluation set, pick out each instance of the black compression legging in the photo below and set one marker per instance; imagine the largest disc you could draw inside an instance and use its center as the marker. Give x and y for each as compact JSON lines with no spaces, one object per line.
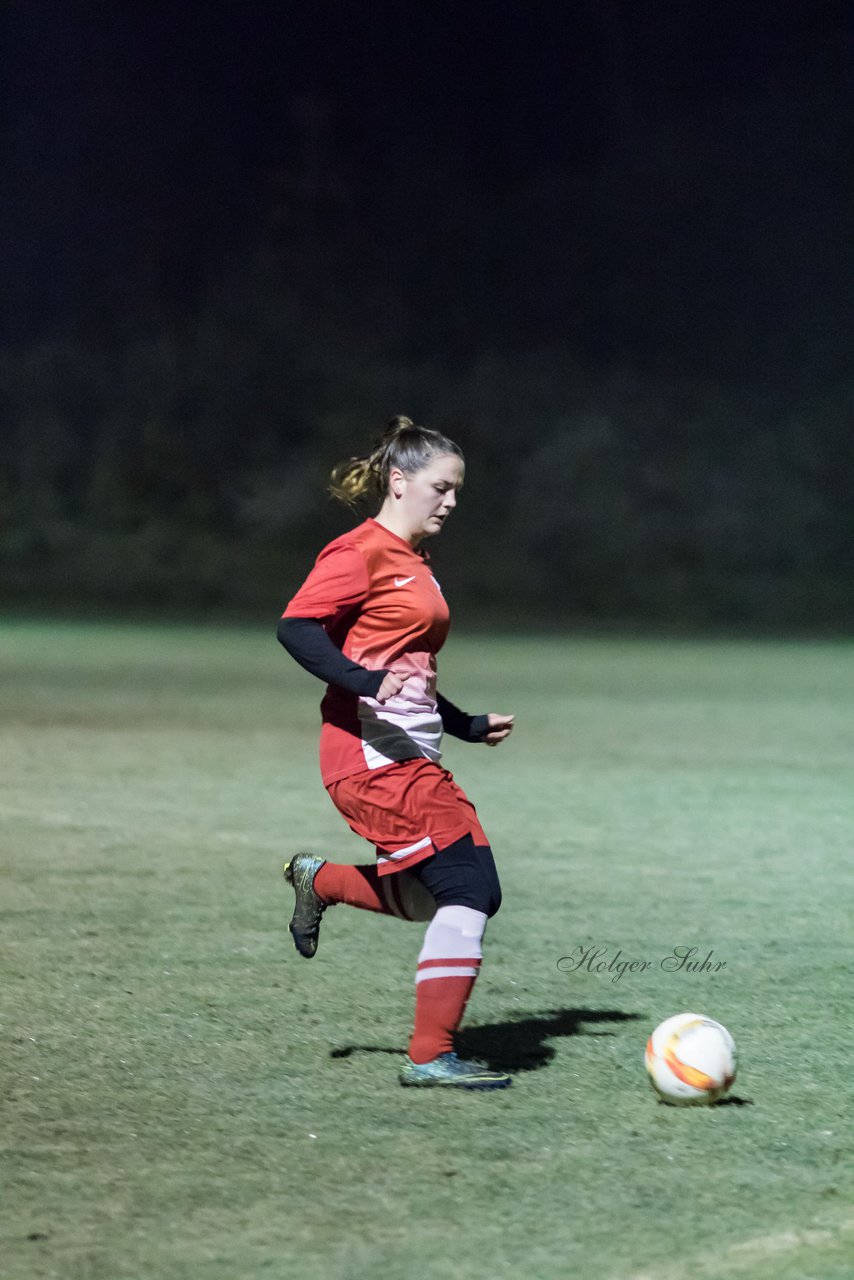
{"x":462,"y":875}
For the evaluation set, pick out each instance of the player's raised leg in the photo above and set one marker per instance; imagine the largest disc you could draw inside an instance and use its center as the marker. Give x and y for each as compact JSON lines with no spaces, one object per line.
{"x":319,"y":884}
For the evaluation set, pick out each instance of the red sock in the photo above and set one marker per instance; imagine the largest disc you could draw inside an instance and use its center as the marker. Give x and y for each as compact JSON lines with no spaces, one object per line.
{"x":439,"y":1007}
{"x":448,"y":964}
{"x":355,"y":886}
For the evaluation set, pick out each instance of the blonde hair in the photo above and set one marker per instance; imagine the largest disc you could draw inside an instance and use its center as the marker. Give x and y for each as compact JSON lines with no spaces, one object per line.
{"x":402,"y":445}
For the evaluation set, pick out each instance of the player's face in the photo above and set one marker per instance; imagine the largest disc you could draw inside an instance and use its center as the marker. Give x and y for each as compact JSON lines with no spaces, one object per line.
{"x":429,"y":496}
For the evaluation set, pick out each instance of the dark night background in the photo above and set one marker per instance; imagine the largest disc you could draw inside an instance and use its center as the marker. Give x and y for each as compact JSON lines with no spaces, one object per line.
{"x":605,"y":245}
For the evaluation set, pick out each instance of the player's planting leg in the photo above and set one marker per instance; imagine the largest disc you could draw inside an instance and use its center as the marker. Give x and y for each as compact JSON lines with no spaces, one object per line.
{"x":319,"y":884}
{"x":449,"y":1070}
{"x":448,"y":966}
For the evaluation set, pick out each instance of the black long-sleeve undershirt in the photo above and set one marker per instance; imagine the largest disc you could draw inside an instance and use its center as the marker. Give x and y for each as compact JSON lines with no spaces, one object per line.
{"x":308,"y":643}
{"x":459,"y":724}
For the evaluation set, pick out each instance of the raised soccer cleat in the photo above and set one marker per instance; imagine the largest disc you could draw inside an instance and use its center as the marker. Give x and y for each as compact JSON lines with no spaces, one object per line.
{"x":308,"y":909}
{"x":449,"y":1071}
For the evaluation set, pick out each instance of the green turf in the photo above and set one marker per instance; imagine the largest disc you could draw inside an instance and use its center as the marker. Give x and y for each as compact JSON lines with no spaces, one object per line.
{"x":186,"y":1097}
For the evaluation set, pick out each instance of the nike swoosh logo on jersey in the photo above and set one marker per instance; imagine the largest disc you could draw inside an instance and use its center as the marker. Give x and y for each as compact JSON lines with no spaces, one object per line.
{"x":401,"y":582}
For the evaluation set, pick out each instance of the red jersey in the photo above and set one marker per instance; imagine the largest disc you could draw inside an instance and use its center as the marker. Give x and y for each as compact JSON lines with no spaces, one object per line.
{"x":382,"y":607}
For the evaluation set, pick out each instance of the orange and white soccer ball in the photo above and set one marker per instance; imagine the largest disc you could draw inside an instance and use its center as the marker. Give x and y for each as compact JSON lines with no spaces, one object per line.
{"x":690,"y":1059}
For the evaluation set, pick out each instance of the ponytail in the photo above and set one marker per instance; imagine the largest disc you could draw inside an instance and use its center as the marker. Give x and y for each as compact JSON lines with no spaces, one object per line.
{"x":402,"y":445}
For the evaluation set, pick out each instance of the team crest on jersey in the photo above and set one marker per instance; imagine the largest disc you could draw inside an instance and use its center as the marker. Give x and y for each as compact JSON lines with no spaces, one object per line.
{"x":436,"y":585}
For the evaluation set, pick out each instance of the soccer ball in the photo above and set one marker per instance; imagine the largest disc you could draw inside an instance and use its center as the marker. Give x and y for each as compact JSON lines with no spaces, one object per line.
{"x":690,"y":1060}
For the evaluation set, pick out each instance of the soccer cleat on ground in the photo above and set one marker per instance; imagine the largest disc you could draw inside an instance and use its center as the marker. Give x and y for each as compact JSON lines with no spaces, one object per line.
{"x":308,"y":909}
{"x":449,"y":1071}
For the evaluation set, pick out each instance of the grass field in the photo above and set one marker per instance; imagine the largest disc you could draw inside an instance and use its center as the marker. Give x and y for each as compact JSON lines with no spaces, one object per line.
{"x":186,"y":1097}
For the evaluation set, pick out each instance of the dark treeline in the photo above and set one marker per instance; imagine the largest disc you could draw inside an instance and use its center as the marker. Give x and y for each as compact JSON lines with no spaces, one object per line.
{"x":188,"y":469}
{"x":645,"y":355}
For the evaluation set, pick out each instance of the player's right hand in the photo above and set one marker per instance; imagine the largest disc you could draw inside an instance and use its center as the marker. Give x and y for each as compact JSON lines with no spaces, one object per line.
{"x":392,"y":684}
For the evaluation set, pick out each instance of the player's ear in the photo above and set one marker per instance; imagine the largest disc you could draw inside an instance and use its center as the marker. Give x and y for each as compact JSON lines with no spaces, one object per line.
{"x":396,"y":482}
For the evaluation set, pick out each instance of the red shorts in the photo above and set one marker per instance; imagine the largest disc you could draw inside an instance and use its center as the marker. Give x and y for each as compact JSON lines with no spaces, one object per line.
{"x":409,"y":810}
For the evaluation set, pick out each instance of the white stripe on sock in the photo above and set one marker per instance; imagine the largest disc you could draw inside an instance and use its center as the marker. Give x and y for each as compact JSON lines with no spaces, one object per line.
{"x":441,"y":971}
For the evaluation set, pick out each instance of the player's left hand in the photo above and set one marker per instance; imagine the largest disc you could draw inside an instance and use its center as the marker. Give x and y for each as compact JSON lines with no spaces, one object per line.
{"x":500,"y":727}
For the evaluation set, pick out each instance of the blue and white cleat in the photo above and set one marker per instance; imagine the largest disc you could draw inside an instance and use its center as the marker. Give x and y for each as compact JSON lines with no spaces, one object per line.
{"x":449,"y":1071}
{"x":308,"y":909}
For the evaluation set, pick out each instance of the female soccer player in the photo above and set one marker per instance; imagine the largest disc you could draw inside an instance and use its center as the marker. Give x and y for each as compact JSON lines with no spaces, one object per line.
{"x":369,"y":621}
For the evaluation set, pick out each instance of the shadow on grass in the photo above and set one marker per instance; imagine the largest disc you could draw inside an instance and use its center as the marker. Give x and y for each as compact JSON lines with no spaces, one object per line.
{"x":519,"y":1044}
{"x":522,"y":1045}
{"x":711,"y":1106}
